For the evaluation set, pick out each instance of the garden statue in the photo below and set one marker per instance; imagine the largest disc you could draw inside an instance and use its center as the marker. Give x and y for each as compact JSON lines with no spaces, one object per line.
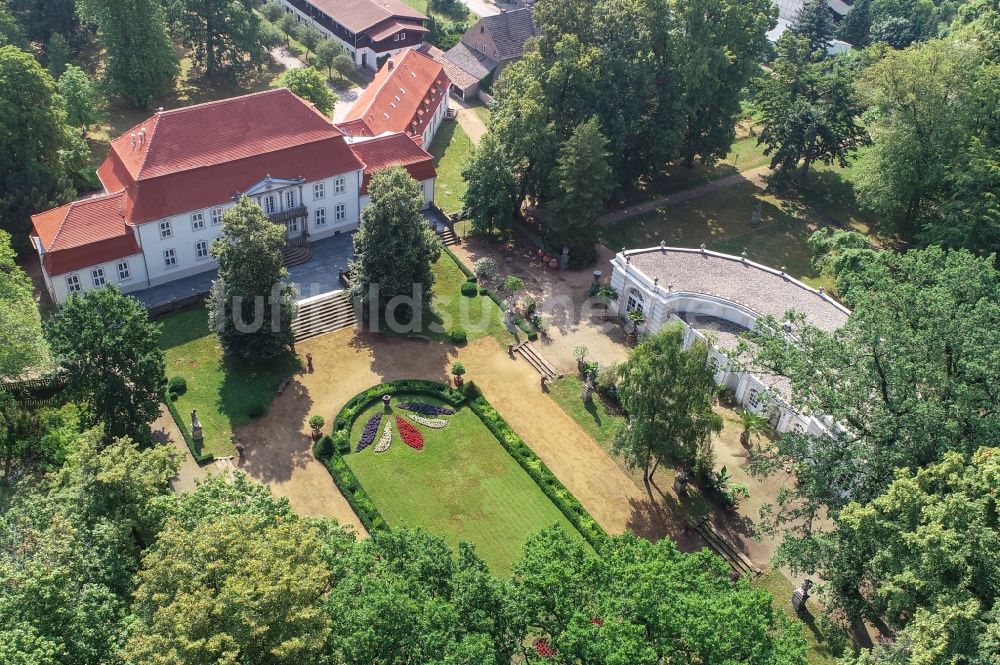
{"x":755,"y":218}
{"x":564,"y":258}
{"x":588,"y":388}
{"x":681,"y":483}
{"x":309,"y":363}
{"x":196,"y":432}
{"x":597,"y":280}
{"x":801,"y":595}
{"x":385,"y":403}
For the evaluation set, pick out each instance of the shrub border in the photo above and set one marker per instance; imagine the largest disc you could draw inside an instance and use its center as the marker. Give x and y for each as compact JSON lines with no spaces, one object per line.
{"x":469,"y":395}
{"x":200,"y":458}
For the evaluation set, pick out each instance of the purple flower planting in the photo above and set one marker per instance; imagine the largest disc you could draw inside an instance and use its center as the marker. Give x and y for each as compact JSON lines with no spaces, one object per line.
{"x":427,"y":409}
{"x":368,"y":434}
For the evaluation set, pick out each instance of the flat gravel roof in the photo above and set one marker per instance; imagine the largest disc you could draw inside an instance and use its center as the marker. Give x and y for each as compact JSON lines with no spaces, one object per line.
{"x":757,"y":287}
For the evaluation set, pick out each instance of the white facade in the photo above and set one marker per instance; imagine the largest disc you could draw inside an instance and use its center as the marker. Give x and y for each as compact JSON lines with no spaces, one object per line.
{"x":178,"y":246}
{"x":128,"y":274}
{"x":434,"y":123}
{"x":662,"y":305}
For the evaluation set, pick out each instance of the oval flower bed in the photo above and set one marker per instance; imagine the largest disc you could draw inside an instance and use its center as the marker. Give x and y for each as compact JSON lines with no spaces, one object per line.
{"x":410,"y":435}
{"x":433,"y":423}
{"x":368,"y":434}
{"x":427,"y":409}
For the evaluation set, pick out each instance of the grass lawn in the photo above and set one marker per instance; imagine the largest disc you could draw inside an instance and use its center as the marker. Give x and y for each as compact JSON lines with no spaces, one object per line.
{"x":722,"y":220}
{"x":463,"y":485}
{"x":596,"y":418}
{"x":222,"y":390}
{"x":450,"y":147}
{"x":480,"y":110}
{"x":744,"y":155}
{"x":478,"y":316}
{"x":817,"y":650}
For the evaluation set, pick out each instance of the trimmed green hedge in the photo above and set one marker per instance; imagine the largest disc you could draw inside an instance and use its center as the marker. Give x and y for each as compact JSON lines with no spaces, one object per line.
{"x":539,"y":472}
{"x":469,"y":275}
{"x":199,"y":457}
{"x":468,"y":395}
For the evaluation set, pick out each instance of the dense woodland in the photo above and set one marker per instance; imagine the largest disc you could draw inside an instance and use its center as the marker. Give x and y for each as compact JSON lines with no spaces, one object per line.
{"x":897,"y":515}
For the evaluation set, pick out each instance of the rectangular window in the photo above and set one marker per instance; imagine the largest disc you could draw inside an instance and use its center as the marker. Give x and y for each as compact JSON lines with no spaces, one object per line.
{"x":97,"y":274}
{"x":319,"y":191}
{"x":340,"y":212}
{"x":319,"y":217}
{"x":339,"y":186}
{"x":290,"y":198}
{"x":269,"y":204}
{"x":197,"y":221}
{"x":73,"y":284}
{"x":165,"y":230}
{"x":123,"y":272}
{"x":216,"y":216}
{"x":169,"y":258}
{"x":201,"y":249}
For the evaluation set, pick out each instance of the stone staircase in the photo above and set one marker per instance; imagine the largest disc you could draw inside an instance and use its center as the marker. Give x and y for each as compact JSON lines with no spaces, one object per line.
{"x":535,"y":359}
{"x":737,"y":560}
{"x":295,"y":253}
{"x":447,"y":236}
{"x":322,"y":314}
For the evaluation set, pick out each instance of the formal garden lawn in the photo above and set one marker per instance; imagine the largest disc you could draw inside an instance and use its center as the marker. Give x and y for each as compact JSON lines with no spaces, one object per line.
{"x":225,"y":392}
{"x":463,"y":485}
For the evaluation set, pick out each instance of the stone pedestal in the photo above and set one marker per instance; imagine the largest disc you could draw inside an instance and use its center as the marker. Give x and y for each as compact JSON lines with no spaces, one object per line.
{"x":385,"y":403}
{"x":801,"y":595}
{"x":196,"y":431}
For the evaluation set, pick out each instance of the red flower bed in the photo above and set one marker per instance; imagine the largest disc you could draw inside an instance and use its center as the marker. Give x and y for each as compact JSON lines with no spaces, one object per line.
{"x":411,"y":437}
{"x":543,"y":649}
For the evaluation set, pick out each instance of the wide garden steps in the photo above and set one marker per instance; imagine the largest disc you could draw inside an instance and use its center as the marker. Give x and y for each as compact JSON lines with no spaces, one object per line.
{"x":322,"y":314}
{"x":535,"y":359}
{"x":447,"y":236}
{"x":293,"y":255}
{"x":718,"y":543}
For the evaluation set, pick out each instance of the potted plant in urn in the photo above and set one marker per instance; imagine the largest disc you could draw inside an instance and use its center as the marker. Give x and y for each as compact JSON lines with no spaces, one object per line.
{"x":316,"y":422}
{"x":457,"y":370}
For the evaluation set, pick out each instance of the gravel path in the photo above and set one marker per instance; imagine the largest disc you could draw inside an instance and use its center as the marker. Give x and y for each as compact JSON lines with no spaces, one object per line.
{"x":278,"y":446}
{"x":756,"y":176}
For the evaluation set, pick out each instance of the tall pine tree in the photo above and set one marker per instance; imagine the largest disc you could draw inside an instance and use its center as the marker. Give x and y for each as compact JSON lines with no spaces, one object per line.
{"x":583,"y":183}
{"x":814,"y":23}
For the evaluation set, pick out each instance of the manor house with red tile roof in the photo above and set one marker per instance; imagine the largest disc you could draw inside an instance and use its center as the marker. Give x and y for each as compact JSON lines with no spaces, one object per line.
{"x":169,"y":179}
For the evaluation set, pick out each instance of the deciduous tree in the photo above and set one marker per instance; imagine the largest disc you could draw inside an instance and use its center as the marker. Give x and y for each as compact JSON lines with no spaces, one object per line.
{"x":393,"y":247}
{"x":491,"y":195}
{"x":37,"y":145}
{"x":332,"y":55}
{"x":308,"y":36}
{"x":235,"y":585}
{"x":250,"y":307}
{"x":109,"y":350}
{"x":83,"y":103}
{"x":22,"y":345}
{"x":667,"y":391}
{"x":310,"y":84}
{"x":140,"y":64}
{"x":908,"y":378}
{"x":226,"y":36}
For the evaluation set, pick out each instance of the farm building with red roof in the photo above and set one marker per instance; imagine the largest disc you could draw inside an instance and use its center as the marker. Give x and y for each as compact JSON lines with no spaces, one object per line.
{"x":409,"y":94}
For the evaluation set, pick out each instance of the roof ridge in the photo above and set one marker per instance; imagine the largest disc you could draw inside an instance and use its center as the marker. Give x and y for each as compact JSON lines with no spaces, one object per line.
{"x":149,"y":144}
{"x":220,"y":102}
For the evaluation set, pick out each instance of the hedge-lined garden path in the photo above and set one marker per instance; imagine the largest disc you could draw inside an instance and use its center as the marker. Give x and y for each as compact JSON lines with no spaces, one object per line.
{"x":278,"y":446}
